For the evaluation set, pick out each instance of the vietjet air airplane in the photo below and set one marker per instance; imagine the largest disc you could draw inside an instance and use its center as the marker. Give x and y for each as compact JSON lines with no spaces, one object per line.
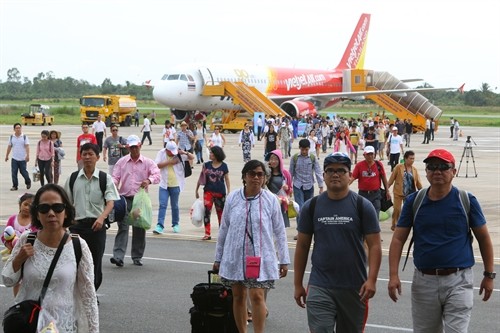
{"x":297,"y":91}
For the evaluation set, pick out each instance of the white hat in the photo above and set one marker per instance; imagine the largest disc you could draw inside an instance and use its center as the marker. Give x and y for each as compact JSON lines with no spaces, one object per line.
{"x":172,"y":147}
{"x":369,"y":150}
{"x":394,"y":128}
{"x":133,"y":140}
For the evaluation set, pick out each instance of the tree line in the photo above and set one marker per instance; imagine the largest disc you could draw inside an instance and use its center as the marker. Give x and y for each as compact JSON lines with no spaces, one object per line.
{"x":46,"y":85}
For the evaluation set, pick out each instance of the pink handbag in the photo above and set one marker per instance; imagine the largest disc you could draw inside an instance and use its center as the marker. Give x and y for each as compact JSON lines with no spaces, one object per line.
{"x":252,"y":267}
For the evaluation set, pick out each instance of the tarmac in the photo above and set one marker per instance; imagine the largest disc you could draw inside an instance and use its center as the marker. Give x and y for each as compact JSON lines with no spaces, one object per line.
{"x":479,"y":173}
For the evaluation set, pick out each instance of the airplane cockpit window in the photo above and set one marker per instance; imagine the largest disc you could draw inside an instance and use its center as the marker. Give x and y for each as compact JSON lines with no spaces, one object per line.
{"x":183,"y":77}
{"x":173,"y":77}
{"x":190,"y":78}
{"x":164,"y":77}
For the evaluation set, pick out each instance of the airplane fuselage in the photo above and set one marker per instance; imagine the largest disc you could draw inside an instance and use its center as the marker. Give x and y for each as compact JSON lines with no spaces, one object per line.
{"x":182,"y":87}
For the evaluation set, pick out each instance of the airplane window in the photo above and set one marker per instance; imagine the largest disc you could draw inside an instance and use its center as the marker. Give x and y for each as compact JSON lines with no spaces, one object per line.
{"x":164,"y":77}
{"x":190,"y":78}
{"x":172,"y":77}
{"x":183,"y":77}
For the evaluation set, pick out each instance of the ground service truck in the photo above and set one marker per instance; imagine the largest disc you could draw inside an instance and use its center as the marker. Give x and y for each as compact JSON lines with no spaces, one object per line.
{"x":118,"y":109}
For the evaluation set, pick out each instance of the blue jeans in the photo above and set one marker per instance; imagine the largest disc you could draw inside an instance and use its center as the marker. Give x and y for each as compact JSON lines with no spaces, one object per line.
{"x":163,"y":195}
{"x":199,"y":154}
{"x":300,"y":196}
{"x":20,"y":166}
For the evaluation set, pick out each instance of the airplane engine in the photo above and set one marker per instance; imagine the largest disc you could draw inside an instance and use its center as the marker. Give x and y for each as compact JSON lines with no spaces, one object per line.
{"x":299,"y":109}
{"x":180,"y":115}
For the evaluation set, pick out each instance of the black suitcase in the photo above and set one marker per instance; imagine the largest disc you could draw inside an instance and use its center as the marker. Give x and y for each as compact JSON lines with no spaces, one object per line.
{"x":213,"y":308}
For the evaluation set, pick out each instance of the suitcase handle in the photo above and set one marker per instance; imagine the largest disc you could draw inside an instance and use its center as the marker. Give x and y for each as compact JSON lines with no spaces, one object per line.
{"x":210,"y":272}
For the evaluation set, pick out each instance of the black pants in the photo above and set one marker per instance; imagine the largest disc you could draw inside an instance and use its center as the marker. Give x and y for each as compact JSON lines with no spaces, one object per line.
{"x":45,"y":171}
{"x":393,"y":160}
{"x":99,"y":136}
{"x":259,"y":132}
{"x":96,"y":241}
{"x":146,"y":135}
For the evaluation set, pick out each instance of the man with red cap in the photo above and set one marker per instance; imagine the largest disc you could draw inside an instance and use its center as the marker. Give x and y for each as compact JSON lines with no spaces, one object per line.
{"x":442,"y":287}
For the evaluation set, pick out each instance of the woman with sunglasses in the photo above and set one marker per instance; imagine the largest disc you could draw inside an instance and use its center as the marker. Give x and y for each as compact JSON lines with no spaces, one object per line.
{"x":250,"y":228}
{"x":71,"y":304}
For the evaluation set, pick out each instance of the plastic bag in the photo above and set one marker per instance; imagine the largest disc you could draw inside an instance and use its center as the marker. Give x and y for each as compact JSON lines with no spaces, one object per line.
{"x":197,"y":213}
{"x":36,"y":174}
{"x":293,"y":209}
{"x":141,"y":214}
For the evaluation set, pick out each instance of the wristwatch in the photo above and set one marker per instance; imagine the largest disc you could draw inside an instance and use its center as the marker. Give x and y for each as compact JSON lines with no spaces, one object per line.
{"x":490,"y":275}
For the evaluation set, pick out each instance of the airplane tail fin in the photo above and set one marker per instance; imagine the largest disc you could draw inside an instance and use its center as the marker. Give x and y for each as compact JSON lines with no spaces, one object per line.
{"x":354,"y":55}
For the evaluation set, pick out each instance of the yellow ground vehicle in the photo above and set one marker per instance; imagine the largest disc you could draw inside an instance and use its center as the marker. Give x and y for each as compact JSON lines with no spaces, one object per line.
{"x":38,"y":115}
{"x":112,"y":108}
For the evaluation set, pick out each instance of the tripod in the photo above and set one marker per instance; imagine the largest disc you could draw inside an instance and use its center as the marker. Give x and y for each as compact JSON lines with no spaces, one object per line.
{"x":468,"y":154}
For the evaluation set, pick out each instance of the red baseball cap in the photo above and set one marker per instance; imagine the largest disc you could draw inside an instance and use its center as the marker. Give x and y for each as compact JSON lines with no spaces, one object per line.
{"x":442,"y":154}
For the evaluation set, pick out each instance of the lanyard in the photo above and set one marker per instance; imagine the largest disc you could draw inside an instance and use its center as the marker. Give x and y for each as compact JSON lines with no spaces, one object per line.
{"x":246,"y":222}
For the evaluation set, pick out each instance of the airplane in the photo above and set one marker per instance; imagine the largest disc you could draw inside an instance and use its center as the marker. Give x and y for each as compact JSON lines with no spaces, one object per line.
{"x":299,"y":92}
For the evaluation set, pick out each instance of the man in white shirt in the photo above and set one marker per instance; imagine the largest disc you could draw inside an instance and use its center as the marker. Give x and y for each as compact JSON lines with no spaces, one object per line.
{"x":99,"y":130}
{"x":146,"y":130}
{"x":395,"y":147}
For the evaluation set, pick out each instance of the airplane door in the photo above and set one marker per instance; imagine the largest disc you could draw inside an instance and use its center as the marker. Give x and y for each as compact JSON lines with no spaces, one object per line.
{"x":207,"y":76}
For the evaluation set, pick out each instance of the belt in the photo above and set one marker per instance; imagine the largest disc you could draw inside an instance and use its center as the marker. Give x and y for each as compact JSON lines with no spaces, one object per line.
{"x":87,"y":220}
{"x":440,"y":271}
{"x":369,"y":192}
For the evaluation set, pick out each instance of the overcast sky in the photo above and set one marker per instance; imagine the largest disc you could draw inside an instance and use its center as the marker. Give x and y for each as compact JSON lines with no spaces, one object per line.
{"x":444,"y":42}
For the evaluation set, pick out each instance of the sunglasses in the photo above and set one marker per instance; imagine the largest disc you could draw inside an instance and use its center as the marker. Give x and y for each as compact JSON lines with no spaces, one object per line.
{"x":252,"y":174}
{"x":114,"y":130}
{"x":438,"y":166}
{"x":45,"y":208}
{"x":339,"y":171}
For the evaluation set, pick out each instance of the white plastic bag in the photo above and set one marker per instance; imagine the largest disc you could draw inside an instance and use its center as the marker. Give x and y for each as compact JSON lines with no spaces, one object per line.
{"x":36,"y":174}
{"x":197,"y":213}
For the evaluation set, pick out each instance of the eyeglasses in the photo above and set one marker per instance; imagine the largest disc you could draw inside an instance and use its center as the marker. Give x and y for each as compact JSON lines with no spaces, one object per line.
{"x":252,"y":174}
{"x":438,"y":166}
{"x":339,"y":171}
{"x":114,"y":130}
{"x":57,"y":208}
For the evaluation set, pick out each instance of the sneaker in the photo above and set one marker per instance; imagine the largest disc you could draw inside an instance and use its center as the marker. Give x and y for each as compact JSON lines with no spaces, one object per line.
{"x":206,"y":237}
{"x":13,"y":188}
{"x":176,"y":229}
{"x":158,"y":230}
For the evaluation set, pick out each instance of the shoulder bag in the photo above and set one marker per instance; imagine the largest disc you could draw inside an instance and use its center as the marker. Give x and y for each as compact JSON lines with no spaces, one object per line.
{"x":23,"y":317}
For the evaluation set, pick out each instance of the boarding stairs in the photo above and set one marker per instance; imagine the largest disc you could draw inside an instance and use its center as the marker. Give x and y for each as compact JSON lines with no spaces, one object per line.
{"x":409,"y":105}
{"x":249,"y":98}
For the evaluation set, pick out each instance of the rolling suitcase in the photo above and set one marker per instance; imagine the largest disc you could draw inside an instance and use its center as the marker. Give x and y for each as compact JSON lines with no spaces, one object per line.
{"x":213,"y":308}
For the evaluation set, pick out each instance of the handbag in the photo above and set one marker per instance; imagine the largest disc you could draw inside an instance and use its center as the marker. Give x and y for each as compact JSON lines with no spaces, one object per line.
{"x":384,"y":203}
{"x":252,"y":263}
{"x":187,"y":167}
{"x":252,"y":267}
{"x":23,"y":316}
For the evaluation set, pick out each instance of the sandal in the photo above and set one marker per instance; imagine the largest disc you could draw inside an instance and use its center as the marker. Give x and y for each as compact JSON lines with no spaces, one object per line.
{"x":206,"y":237}
{"x":393,"y":228}
{"x":249,"y":316}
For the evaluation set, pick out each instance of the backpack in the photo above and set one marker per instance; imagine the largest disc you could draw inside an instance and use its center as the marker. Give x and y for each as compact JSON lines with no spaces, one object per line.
{"x":120,"y":206}
{"x":419,"y":198}
{"x":77,"y":247}
{"x":10,"y":139}
{"x":296,"y":157}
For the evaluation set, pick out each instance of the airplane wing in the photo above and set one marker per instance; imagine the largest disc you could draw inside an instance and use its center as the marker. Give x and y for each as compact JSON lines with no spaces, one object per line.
{"x":359,"y":94}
